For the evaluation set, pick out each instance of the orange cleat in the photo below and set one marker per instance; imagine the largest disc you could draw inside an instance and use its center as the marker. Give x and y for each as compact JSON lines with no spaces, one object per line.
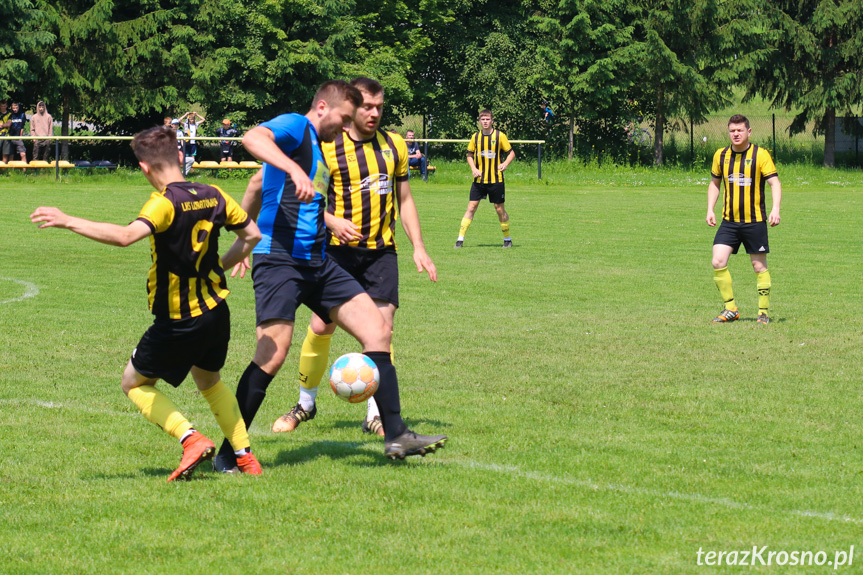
{"x":727,"y":315}
{"x":196,"y":448}
{"x":248,"y":464}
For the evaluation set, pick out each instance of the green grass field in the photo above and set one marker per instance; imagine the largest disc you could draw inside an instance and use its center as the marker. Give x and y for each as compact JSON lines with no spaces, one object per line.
{"x":598,"y":422}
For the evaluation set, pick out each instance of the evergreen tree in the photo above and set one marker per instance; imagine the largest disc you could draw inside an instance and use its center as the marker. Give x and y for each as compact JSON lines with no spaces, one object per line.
{"x":20,"y":35}
{"x":817,"y":64}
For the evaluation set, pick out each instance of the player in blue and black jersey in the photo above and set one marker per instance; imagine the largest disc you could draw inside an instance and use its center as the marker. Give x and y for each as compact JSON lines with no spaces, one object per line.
{"x":291,"y":267}
{"x":369,"y":190}
{"x":186,"y":290}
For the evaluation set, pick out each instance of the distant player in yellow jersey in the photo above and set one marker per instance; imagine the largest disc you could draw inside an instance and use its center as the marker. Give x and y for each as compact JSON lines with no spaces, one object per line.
{"x":484,"y":153}
{"x":187,"y":289}
{"x":368,"y":191}
{"x":744,"y":169}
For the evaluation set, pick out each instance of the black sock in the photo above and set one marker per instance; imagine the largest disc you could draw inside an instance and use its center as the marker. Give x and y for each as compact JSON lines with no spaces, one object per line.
{"x":250,"y":395}
{"x":387,"y":395}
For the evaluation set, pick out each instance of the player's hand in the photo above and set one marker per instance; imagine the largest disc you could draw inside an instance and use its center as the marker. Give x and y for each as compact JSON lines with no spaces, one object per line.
{"x":424,"y":263}
{"x":501,"y":167}
{"x":305,"y":191}
{"x":476,"y":172}
{"x":50,"y":218}
{"x":344,"y":230}
{"x":773,"y":218}
{"x":711,"y":219}
{"x":241,"y":268}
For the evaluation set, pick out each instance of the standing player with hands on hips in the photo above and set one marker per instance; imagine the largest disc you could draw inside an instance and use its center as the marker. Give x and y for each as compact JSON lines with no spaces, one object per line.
{"x":484,"y":158}
{"x":744,"y":168}
{"x":187,"y":290}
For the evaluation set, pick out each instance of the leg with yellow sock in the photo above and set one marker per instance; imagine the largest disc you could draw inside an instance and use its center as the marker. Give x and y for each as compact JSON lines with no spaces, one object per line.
{"x":314,"y":358}
{"x":763,"y":285}
{"x":466,"y":221}
{"x":504,"y":225}
{"x":161,"y":411}
{"x":223,"y":404}
{"x":722,"y":278}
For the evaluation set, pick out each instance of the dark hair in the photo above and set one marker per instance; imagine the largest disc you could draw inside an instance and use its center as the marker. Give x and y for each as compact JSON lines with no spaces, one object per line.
{"x":486,"y":112}
{"x":335,"y":92}
{"x":373,"y":87}
{"x":157,"y":147}
{"x":739,"y":119}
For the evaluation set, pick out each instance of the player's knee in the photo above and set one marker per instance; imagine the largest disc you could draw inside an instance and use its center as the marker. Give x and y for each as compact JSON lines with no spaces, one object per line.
{"x":719,"y":263}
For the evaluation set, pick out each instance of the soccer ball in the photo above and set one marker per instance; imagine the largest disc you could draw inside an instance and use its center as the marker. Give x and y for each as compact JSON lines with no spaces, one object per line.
{"x":354,"y":377}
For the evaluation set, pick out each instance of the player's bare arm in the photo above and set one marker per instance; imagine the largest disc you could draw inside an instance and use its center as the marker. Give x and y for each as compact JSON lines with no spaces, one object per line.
{"x":712,"y":196}
{"x":473,"y":168}
{"x":261,"y":143}
{"x":411,"y":225}
{"x":344,"y":230}
{"x":776,"y":195}
{"x":247,"y":239}
{"x":111,"y":234}
{"x":509,"y":158}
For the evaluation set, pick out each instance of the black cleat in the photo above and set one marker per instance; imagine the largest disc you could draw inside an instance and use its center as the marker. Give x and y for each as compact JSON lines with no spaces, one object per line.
{"x":409,"y":443}
{"x":225,"y":463}
{"x":459,"y":243}
{"x":763,"y":318}
{"x":507,"y":243}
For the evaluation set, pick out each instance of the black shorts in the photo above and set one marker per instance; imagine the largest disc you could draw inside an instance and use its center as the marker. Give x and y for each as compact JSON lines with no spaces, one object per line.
{"x":496,"y":192}
{"x":753,"y":236}
{"x":280,"y":288}
{"x":226,"y":150}
{"x":376,"y":270}
{"x":171,"y":347}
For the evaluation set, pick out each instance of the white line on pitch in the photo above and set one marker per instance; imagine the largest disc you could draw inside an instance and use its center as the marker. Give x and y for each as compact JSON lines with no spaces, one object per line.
{"x":30,"y":290}
{"x":696,"y":497}
{"x":56,"y":405}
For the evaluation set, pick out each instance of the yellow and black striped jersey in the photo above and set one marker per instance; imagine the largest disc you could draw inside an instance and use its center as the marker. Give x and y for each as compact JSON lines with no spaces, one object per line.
{"x":186,"y":278}
{"x":363,"y":179}
{"x":487,"y":151}
{"x":744,"y":175}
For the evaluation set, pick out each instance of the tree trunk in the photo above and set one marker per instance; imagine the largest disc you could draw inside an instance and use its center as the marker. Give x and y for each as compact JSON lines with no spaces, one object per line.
{"x":64,"y":128}
{"x":571,"y":130}
{"x":830,"y":138}
{"x":658,"y":132}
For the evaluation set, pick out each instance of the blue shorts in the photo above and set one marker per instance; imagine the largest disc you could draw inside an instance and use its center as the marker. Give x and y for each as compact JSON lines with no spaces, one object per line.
{"x":280,"y":288}
{"x":171,"y":347}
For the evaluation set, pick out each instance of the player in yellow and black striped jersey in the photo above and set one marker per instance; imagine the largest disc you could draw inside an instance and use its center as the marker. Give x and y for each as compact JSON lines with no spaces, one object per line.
{"x":743,"y":169}
{"x":187,"y":288}
{"x":364,"y":175}
{"x":484,"y":156}
{"x":369,"y":190}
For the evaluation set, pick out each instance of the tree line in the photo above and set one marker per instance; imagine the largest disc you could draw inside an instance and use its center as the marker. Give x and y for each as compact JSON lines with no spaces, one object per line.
{"x":122,"y":64}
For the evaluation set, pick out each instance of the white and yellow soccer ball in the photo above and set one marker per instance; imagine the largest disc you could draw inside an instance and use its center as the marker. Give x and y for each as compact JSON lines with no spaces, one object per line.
{"x":354,"y":377}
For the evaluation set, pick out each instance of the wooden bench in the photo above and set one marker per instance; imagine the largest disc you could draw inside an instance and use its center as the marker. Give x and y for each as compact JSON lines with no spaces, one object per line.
{"x":210,"y":165}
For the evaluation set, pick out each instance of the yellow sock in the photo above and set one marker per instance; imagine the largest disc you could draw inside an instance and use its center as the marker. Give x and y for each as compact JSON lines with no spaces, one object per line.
{"x":313,"y":358}
{"x":224,"y":406}
{"x":159,"y":410}
{"x":465,"y":224}
{"x":504,"y":227}
{"x":763,"y":284}
{"x":722,"y":277}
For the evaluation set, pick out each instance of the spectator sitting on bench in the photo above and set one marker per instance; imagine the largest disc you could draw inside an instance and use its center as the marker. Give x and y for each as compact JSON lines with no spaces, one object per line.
{"x":415,"y":157}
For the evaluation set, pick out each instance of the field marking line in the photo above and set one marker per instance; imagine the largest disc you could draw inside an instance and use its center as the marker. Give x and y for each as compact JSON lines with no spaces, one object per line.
{"x":620,"y":488}
{"x":56,"y":405}
{"x":30,"y":290}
